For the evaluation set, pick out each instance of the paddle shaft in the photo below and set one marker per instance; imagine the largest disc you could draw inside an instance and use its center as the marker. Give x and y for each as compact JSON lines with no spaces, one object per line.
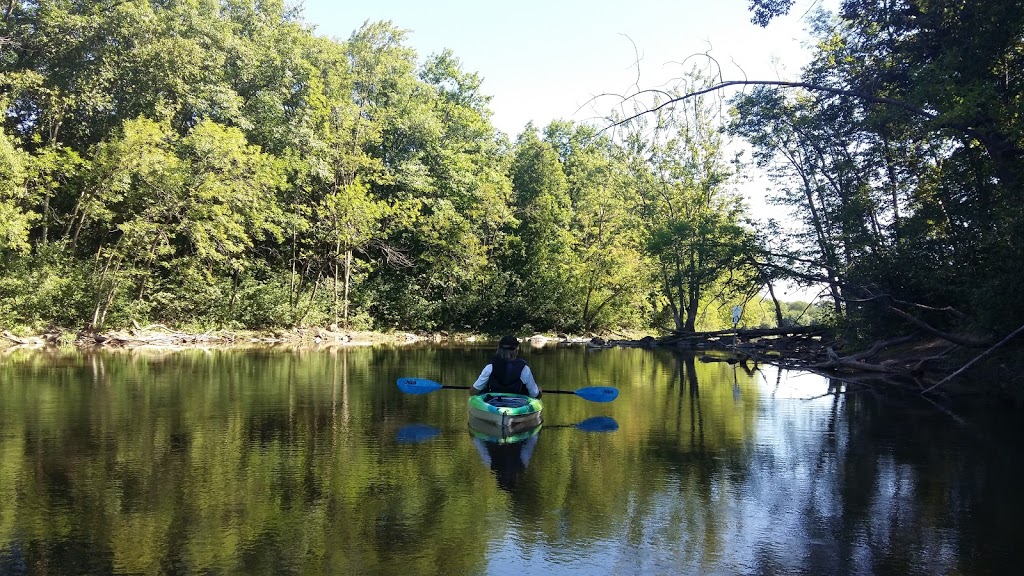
{"x":424,"y":386}
{"x":451,"y":387}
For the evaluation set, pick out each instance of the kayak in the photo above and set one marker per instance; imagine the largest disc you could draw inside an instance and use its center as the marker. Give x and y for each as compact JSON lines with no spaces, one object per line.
{"x":506,"y":411}
{"x":494,"y":434}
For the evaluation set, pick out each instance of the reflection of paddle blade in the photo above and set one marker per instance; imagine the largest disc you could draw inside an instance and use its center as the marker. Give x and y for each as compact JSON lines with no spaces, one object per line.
{"x":415,"y":433}
{"x":598,"y":424}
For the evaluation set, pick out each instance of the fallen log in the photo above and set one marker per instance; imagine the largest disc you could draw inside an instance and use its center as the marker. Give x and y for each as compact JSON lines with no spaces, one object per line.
{"x":30,"y":341}
{"x":745,"y":333}
{"x":976,"y":359}
{"x":8,"y":336}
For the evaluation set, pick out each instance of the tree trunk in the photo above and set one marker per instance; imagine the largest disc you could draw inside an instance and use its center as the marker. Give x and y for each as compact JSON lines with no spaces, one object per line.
{"x":234,"y":293}
{"x":676,"y":317}
{"x":692,"y":306}
{"x":348,"y":278}
{"x":692,"y":295}
{"x":775,"y":301}
{"x":337,"y":254}
{"x":46,"y":220}
{"x":293,"y":297}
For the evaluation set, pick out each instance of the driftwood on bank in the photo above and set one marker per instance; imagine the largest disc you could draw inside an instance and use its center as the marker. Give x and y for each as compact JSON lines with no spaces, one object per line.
{"x":807,"y":348}
{"x":803,"y":342}
{"x":30,"y":341}
{"x":11,"y":337}
{"x":991,"y":349}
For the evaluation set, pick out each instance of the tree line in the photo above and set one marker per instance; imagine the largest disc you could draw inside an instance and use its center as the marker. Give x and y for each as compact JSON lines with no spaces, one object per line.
{"x":216,"y":163}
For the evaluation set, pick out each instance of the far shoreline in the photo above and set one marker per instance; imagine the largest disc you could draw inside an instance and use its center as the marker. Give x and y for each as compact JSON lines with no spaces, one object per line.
{"x":159,"y":336}
{"x":909,"y":364}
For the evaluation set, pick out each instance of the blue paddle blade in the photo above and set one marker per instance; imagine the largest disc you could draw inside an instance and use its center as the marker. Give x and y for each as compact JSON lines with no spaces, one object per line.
{"x":598,"y":393}
{"x":416,"y":433}
{"x":417,"y":385}
{"x":598,"y":424}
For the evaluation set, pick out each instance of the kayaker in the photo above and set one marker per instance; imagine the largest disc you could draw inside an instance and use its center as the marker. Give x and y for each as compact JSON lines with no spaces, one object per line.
{"x":506,"y":372}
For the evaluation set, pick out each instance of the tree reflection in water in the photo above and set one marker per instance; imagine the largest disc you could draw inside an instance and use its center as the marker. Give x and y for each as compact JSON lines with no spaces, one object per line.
{"x":306,"y":462}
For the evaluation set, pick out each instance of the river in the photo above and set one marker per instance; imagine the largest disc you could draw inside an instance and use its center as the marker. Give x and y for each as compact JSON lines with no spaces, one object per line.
{"x":314,"y":462}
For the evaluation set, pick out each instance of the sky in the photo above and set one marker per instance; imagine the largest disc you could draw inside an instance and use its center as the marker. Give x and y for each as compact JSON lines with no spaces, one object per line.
{"x":547,"y":60}
{"x":544,"y":60}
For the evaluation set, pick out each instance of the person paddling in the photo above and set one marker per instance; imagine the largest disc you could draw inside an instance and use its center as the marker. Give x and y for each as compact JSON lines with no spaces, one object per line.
{"x":506,"y":372}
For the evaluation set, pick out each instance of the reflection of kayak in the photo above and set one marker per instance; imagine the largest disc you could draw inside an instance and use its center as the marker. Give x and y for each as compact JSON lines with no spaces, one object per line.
{"x":494,"y":434}
{"x":506,"y":451}
{"x":506,"y":411}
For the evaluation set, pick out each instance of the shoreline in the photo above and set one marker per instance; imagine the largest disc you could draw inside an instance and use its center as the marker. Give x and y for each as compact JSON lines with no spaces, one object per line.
{"x":158,"y":336}
{"x":906,"y":363}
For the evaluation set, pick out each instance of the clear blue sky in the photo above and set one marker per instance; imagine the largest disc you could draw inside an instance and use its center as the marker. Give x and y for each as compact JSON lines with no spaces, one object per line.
{"x":542,"y":60}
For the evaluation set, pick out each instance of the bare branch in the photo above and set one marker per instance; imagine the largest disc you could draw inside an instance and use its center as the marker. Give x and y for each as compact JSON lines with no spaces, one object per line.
{"x":783,"y":84}
{"x":972,"y":362}
{"x":929,"y":328}
{"x":394,"y":256}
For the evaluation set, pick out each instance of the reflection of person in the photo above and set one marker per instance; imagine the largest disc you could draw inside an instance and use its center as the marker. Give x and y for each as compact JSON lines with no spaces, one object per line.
{"x":507,"y":461}
{"x":506,"y":372}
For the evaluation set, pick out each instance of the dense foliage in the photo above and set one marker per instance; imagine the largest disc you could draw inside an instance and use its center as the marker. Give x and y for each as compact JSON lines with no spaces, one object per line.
{"x":213,"y":163}
{"x":903,"y":154}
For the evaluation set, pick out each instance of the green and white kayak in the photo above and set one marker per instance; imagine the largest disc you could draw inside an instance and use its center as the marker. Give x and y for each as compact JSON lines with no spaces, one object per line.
{"x":494,"y":434}
{"x":506,"y":411}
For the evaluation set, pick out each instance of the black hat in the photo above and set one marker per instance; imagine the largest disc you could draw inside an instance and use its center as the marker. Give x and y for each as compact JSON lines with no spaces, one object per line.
{"x":508,"y":342}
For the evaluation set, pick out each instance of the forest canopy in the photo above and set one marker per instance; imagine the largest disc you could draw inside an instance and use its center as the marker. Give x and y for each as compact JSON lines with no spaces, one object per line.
{"x":214,"y":163}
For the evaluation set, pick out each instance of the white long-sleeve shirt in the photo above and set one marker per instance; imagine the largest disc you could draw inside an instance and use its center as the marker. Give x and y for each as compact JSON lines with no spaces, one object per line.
{"x":526,"y":377}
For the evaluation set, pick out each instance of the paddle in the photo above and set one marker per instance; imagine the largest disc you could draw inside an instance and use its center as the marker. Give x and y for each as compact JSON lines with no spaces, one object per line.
{"x":424,"y":386}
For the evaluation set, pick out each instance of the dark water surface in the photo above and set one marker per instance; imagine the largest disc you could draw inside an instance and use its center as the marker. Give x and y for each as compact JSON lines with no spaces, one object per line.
{"x":313,"y":462}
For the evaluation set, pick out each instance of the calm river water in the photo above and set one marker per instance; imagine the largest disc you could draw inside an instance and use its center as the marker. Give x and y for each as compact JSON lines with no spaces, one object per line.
{"x":313,"y":462}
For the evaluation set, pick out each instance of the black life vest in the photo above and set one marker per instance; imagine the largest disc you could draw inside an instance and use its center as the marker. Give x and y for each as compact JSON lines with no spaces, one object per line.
{"x":505,"y":376}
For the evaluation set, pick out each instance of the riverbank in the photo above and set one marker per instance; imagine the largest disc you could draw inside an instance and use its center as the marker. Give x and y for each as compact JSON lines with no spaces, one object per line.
{"x":161,"y":336}
{"x":908,"y":363}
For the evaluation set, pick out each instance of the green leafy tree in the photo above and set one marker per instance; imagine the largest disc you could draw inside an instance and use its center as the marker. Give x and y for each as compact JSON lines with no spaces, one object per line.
{"x":352,"y":219}
{"x":194,"y":203}
{"x":903,"y":155}
{"x":15,"y":218}
{"x":692,"y":220}
{"x":547,"y":255}
{"x":813,"y":157}
{"x":468,"y":212}
{"x":610,"y":278}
